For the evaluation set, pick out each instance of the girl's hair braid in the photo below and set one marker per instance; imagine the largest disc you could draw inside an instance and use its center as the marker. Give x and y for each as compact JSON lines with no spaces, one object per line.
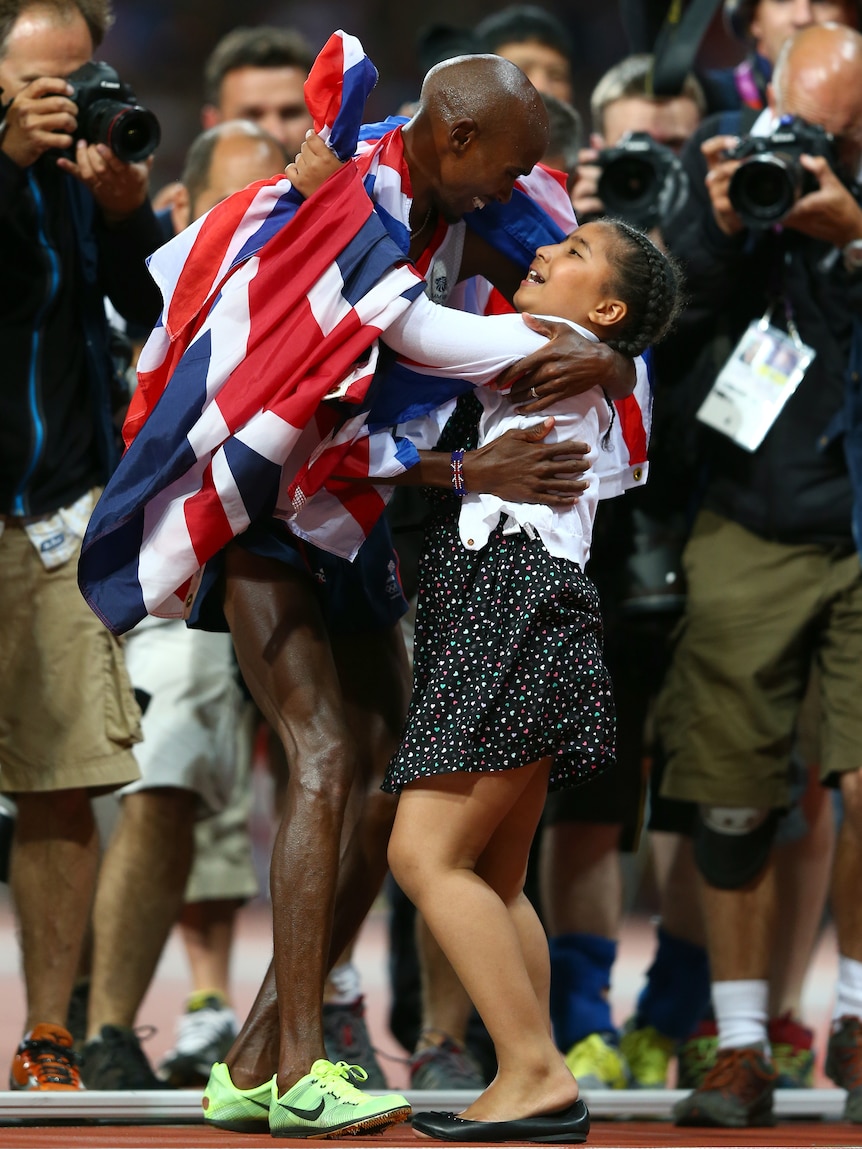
{"x":650,"y":281}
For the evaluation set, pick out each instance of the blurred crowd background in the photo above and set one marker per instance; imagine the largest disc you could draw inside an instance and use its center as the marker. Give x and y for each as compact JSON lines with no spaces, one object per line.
{"x":159,"y":47}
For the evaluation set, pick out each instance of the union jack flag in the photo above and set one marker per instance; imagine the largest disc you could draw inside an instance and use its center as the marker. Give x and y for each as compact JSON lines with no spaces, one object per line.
{"x":268,"y":287}
{"x":272,"y":305}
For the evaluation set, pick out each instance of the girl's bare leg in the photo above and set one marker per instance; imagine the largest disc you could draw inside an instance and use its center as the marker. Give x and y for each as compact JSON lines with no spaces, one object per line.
{"x":459,"y":850}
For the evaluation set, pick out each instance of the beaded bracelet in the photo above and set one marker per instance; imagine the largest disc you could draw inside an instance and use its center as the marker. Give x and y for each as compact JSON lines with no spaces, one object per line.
{"x":458,"y":473}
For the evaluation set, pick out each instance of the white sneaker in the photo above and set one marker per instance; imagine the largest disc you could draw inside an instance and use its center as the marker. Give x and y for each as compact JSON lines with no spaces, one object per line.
{"x":205,"y":1033}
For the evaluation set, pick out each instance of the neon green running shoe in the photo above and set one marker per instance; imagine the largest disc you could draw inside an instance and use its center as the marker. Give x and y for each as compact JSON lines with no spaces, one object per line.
{"x":648,"y":1054}
{"x":242,"y":1110}
{"x":325,"y":1103}
{"x":597,"y":1063}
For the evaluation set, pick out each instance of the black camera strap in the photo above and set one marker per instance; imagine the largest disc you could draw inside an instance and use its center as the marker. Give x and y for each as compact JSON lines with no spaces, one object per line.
{"x":677,"y":43}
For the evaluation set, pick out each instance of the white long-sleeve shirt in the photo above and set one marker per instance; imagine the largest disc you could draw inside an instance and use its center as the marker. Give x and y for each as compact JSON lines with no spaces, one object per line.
{"x":479,"y":348}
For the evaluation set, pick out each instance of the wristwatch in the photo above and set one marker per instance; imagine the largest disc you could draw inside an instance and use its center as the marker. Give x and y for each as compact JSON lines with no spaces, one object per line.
{"x":852,"y":255}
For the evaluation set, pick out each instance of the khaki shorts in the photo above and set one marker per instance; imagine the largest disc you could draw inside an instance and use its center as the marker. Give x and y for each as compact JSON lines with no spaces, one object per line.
{"x":759,"y":616}
{"x":68,"y":717}
{"x":187,"y":685}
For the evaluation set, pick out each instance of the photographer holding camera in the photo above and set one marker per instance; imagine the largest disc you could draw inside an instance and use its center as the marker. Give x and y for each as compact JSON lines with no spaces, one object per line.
{"x":75,"y":226}
{"x":773,"y":573}
{"x":630,"y":123}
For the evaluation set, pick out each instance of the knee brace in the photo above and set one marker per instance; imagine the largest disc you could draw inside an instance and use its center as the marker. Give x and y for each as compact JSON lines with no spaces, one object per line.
{"x":732,"y":843}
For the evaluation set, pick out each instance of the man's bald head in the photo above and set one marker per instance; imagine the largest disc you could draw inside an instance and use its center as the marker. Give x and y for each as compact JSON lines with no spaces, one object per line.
{"x":818,"y":56}
{"x":488,"y":89}
{"x":818,"y":77}
{"x":223,"y":160}
{"x":480,"y":125}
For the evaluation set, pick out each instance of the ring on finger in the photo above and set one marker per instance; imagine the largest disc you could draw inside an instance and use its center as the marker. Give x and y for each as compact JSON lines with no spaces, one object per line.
{"x":534,"y":394}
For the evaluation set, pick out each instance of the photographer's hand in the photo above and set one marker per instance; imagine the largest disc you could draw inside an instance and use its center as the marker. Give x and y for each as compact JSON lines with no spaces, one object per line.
{"x":567,"y":365}
{"x":830,"y":213}
{"x":40,"y":118}
{"x":585,"y":195}
{"x":719,"y":174}
{"x":118,"y":188}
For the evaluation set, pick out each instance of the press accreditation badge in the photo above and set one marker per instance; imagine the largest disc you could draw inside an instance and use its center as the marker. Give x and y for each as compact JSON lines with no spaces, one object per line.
{"x":765,"y":368}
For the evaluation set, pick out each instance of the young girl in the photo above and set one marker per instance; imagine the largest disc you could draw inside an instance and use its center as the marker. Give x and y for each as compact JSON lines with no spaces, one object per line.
{"x":510,"y":693}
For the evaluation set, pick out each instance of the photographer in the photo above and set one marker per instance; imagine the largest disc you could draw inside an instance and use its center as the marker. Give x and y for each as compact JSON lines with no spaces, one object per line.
{"x":622,"y":102}
{"x":74,"y":227}
{"x":774,"y":582}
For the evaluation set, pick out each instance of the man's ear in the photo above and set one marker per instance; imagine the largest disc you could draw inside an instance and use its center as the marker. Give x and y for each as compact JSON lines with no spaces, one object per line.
{"x":608,"y":312}
{"x":462,"y":133}
{"x":210,"y":116}
{"x":181,"y":215}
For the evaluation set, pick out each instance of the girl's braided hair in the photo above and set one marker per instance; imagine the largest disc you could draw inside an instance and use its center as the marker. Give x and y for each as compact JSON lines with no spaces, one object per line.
{"x":651,"y":283}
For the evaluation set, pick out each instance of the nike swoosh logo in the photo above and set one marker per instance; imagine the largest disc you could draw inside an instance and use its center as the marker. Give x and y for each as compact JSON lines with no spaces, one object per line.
{"x":260,"y":1104}
{"x":306,"y":1114}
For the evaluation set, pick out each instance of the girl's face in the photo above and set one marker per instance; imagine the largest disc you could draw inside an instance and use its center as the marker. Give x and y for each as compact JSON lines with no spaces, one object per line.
{"x":573,"y":279}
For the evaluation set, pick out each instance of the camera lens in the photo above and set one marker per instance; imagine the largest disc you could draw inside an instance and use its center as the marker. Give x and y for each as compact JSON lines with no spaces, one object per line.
{"x":763,"y":189}
{"x":629,"y":183}
{"x":131,"y":132}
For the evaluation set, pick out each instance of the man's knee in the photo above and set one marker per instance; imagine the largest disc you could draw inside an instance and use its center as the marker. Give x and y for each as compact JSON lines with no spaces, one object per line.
{"x":732,"y":843}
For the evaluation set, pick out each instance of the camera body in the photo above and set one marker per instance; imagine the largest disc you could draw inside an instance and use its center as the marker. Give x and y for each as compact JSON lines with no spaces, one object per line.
{"x":771,"y":177}
{"x":109,"y":113}
{"x":642,"y":181}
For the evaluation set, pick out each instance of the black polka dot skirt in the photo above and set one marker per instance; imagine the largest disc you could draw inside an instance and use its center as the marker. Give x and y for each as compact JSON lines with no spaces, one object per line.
{"x":507,"y":664}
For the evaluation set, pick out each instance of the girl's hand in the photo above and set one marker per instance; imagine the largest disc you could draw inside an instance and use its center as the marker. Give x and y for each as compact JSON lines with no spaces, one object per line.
{"x":314,"y":164}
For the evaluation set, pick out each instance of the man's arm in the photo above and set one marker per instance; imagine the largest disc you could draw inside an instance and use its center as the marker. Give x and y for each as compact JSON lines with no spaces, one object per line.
{"x":518,"y":466}
{"x":568,"y":364}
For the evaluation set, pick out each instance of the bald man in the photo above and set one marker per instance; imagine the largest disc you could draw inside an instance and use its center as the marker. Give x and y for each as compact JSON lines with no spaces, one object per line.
{"x":480,"y":126}
{"x":776,"y":526}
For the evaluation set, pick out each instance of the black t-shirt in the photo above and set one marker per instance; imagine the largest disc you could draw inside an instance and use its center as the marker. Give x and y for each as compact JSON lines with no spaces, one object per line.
{"x":48,"y":453}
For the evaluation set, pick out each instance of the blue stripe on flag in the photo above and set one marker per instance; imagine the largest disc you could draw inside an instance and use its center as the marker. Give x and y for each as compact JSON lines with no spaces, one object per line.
{"x":402,"y":394}
{"x":359,"y":81}
{"x":515,"y":228}
{"x":256,"y":477}
{"x":378,"y":130}
{"x":282,"y":213}
{"x":111,"y":589}
{"x":399,"y":233}
{"x":366,"y":259}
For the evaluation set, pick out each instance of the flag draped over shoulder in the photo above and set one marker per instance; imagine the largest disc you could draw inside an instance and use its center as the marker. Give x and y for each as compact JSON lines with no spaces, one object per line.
{"x":264,"y":288}
{"x":271,"y":305}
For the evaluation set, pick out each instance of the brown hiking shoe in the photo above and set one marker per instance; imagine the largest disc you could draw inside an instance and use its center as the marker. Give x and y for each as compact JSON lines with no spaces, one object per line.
{"x":737,"y":1092}
{"x":844,"y":1064}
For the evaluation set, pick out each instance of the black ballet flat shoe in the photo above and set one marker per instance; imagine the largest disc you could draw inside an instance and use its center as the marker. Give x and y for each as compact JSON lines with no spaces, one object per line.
{"x":565,"y":1127}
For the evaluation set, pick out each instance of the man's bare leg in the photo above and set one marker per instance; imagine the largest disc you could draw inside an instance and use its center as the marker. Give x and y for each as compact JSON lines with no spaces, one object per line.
{"x":55,"y":858}
{"x":138,"y":899}
{"x":286,"y":658}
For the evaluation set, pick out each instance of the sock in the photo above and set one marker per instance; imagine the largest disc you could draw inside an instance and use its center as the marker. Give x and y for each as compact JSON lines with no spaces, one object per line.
{"x":203,"y":997}
{"x":740,"y":1011}
{"x":676,"y":994}
{"x":344,"y":987}
{"x":848,"y":1001}
{"x":580,"y":981}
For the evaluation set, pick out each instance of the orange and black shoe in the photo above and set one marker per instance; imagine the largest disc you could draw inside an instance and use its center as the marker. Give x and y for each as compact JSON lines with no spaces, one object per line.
{"x":45,"y":1061}
{"x":844,"y":1063}
{"x":737,"y":1092}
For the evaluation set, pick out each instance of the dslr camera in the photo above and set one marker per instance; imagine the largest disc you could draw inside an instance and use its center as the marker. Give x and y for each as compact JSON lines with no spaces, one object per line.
{"x":642,"y":181}
{"x":109,"y":113}
{"x":771,"y":178}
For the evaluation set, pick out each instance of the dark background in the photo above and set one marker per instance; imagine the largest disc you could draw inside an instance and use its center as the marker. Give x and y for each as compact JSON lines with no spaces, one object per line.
{"x":159,"y":47}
